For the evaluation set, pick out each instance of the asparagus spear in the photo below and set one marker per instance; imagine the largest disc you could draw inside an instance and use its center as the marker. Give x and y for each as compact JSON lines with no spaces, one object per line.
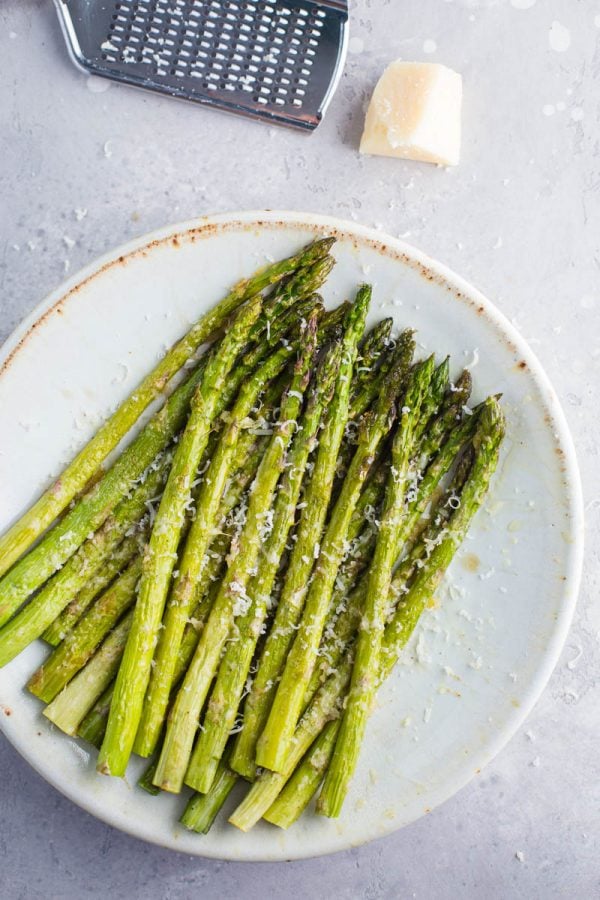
{"x":203,"y":597}
{"x":58,"y":629}
{"x":486,"y":443}
{"x":271,"y":750}
{"x":202,"y":809}
{"x":65,"y":537}
{"x":145,"y":780}
{"x":307,"y":278}
{"x":368,"y":647}
{"x":160,"y":554}
{"x":31,"y":622}
{"x":305,"y":780}
{"x":67,"y":619}
{"x":372,"y":351}
{"x":451,"y":412}
{"x":183,"y":718}
{"x":432,"y":402}
{"x":93,"y":725}
{"x":75,"y":700}
{"x":73,"y":653}
{"x":192,"y":560}
{"x":303,"y":784}
{"x":77,"y":474}
{"x":324,"y":708}
{"x":326,"y":704}
{"x":370,"y":388}
{"x":235,"y":664}
{"x":345,"y":627}
{"x":316,"y":499}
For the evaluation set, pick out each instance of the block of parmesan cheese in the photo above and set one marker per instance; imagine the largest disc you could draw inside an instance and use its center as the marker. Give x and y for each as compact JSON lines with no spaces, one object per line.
{"x":414,"y":113}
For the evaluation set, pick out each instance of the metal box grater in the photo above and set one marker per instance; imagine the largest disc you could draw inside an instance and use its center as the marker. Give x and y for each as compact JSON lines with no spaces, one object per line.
{"x":275,"y":61}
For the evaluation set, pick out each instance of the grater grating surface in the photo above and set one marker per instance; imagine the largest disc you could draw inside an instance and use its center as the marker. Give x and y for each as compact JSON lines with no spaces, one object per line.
{"x":271,"y":60}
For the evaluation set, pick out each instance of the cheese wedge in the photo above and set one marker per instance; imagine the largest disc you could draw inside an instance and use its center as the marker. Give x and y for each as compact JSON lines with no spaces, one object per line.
{"x":414,"y":113}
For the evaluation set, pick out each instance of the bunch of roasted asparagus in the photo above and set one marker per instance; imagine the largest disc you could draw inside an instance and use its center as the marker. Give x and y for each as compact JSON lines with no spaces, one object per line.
{"x":226,"y":598}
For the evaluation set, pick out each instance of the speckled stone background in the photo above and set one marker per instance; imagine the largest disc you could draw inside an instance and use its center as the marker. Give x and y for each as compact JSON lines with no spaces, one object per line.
{"x":85,"y":165}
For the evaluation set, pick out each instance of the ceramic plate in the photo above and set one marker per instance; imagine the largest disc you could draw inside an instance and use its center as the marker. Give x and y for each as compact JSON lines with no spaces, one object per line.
{"x":479,"y":660}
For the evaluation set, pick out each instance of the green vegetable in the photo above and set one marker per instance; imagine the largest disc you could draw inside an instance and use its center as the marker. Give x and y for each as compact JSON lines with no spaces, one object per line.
{"x":59,"y":544}
{"x":202,"y":809}
{"x":235,"y":664}
{"x":194,"y":553}
{"x":183,"y":719}
{"x":128,"y":548}
{"x":79,"y":645}
{"x":326,"y":705}
{"x":374,"y":610}
{"x":69,"y":708}
{"x":32,"y":621}
{"x":160,"y":555}
{"x":78,"y":473}
{"x":305,"y":780}
{"x":316,"y":501}
{"x":273,"y":744}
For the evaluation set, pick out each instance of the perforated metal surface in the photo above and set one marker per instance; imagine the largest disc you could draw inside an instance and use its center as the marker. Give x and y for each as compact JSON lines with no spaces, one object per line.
{"x":274,"y":60}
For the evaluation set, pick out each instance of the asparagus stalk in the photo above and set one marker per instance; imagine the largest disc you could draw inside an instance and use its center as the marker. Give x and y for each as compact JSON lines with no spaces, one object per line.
{"x":235,"y":664}
{"x":192,"y":560}
{"x":272,"y":747}
{"x":32,"y":621}
{"x":65,"y":537}
{"x":75,"y":700}
{"x":486,"y":444}
{"x":372,"y":351}
{"x":58,"y":629}
{"x":370,"y":635}
{"x":183,"y":719}
{"x":145,"y":780}
{"x":326,"y":704}
{"x":77,"y":648}
{"x":324,"y":708}
{"x":160,"y":554}
{"x":344,"y":629}
{"x":77,"y":474}
{"x":370,"y":388}
{"x":432,"y":402}
{"x":303,"y":784}
{"x":451,"y":412}
{"x":202,"y":809}
{"x":305,"y":780}
{"x":93,"y":725}
{"x":307,"y":278}
{"x":122,"y":556}
{"x":316,"y":499}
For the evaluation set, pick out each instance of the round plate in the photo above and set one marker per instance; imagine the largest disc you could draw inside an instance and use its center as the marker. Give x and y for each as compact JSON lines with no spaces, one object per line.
{"x":479,"y":660}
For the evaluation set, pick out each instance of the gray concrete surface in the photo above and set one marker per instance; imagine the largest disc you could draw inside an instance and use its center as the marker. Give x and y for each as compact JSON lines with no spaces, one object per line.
{"x":520,"y":217}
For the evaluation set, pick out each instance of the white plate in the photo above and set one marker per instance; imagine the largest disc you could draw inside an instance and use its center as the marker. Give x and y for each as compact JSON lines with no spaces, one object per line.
{"x":478,"y":662}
